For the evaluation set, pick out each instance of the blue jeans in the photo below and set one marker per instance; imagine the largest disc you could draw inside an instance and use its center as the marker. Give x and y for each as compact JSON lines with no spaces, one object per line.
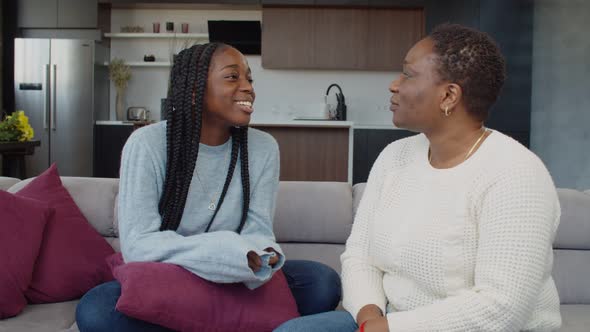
{"x":333,"y":321}
{"x":315,"y":287}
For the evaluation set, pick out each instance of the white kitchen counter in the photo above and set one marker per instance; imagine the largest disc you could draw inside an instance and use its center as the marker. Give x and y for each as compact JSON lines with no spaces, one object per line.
{"x":304,"y":123}
{"x":285,"y":123}
{"x":114,"y":123}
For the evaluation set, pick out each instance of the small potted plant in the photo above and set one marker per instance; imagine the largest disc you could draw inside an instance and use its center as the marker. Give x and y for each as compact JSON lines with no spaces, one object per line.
{"x":16,"y":128}
{"x":119,"y":74}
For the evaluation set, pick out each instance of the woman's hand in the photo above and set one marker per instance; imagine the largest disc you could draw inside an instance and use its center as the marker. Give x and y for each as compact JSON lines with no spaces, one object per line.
{"x":376,"y":325}
{"x":254,"y":261}
{"x":274,"y":259}
{"x":368,"y":312}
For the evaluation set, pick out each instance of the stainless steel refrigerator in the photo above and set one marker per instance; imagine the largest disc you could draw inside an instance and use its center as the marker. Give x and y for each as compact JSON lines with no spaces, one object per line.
{"x":54,"y":85}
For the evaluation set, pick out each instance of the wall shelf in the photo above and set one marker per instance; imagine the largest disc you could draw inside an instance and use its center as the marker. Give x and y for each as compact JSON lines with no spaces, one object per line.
{"x":145,"y":64}
{"x":157,"y":35}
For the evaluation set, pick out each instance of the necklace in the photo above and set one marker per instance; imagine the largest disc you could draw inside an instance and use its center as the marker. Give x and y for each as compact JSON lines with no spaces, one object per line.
{"x":470,"y":150}
{"x":212,"y":203}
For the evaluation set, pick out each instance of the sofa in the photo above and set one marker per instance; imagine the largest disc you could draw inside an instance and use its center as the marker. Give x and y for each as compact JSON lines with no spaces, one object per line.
{"x":313,"y":221}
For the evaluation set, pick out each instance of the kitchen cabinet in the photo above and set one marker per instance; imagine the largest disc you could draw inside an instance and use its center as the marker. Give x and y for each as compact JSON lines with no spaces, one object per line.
{"x":339,"y":38}
{"x":287,"y":2}
{"x":176,"y":2}
{"x":57,"y":13}
{"x":341,"y":2}
{"x":312,"y":152}
{"x":368,"y":144}
{"x":391,"y":34}
{"x":108,"y":145}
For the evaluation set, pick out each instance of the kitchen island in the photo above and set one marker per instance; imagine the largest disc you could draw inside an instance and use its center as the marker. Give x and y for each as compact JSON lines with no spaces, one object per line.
{"x":310,"y":150}
{"x":313,"y":150}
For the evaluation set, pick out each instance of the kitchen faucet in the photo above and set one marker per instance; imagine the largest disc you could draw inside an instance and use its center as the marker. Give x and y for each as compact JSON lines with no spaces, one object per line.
{"x":341,"y":106}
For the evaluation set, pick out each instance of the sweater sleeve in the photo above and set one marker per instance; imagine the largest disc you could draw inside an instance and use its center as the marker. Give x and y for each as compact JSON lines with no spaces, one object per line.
{"x":518,"y":216}
{"x":362,"y":280}
{"x":258,"y":229}
{"x":217,"y":256}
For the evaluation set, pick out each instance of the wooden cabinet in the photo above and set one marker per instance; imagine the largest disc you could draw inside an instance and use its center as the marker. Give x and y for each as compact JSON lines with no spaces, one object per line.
{"x":338,"y":38}
{"x":57,"y":13}
{"x":368,"y":144}
{"x":391,"y":34}
{"x":312,"y":153}
{"x":108,"y":145}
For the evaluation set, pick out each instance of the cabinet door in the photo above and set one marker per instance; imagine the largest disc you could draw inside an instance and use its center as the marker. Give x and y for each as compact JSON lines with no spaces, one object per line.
{"x":341,"y":2}
{"x":37,"y":13}
{"x":392,"y":32}
{"x":340,"y":37}
{"x":287,"y":2}
{"x":108,"y":145}
{"x":77,"y":13}
{"x":314,"y":38}
{"x":287,"y":37}
{"x":368,"y":144}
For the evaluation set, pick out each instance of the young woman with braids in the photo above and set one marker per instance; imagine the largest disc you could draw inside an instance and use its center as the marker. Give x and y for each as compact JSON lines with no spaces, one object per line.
{"x":198,"y":191}
{"x":455,"y":227}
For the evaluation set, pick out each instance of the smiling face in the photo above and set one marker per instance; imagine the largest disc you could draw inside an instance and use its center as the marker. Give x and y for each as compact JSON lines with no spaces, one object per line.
{"x":229,"y":94}
{"x":418,"y":91}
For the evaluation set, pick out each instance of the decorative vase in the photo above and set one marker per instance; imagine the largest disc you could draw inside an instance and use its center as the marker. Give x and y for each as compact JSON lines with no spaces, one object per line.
{"x":120,"y":105}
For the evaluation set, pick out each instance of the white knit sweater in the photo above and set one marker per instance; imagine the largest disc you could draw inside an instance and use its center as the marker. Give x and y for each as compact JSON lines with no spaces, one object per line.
{"x":467,"y":248}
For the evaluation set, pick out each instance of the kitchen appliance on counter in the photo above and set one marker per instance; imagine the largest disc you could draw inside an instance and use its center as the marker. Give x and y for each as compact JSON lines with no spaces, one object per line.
{"x":138,"y":114}
{"x":54,"y":82}
{"x":338,"y":113}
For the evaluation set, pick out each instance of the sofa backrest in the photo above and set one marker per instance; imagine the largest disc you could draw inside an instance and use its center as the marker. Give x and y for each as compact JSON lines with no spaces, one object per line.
{"x":313,"y":212}
{"x":94,"y":196}
{"x":313,"y":221}
{"x":6,"y":182}
{"x":571,"y":266}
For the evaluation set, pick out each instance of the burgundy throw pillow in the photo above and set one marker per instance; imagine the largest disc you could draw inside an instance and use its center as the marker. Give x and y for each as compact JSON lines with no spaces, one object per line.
{"x":72,"y":256}
{"x":22,"y":223}
{"x":170,"y":296}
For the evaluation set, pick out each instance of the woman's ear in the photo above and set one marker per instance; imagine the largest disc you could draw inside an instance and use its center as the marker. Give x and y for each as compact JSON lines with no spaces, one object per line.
{"x":452,"y":96}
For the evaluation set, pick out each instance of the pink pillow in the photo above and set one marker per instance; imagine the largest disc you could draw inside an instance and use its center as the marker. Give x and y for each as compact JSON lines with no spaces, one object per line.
{"x":22,"y":223}
{"x":72,"y":256}
{"x":170,"y":296}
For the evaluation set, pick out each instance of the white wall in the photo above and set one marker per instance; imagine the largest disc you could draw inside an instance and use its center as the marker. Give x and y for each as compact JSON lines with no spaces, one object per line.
{"x":280,"y":94}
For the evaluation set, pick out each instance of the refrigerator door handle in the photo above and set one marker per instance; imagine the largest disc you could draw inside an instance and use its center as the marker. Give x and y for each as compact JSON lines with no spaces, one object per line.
{"x":47,"y":98}
{"x":53,"y":99}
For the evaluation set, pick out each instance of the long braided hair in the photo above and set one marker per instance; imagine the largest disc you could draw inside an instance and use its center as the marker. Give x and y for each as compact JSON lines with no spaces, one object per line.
{"x":188,"y":78}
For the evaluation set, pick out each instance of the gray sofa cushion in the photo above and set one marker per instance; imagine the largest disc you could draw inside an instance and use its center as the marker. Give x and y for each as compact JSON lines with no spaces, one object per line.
{"x":574,"y":228}
{"x":357,"y":194}
{"x":6,"y":182}
{"x":94,"y":196}
{"x":313,"y":212}
{"x":571,"y":272}
{"x":328,"y":254}
{"x":42,"y":318}
{"x":575,"y":318}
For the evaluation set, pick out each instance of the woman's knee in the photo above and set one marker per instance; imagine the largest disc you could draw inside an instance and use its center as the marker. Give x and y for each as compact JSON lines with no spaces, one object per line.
{"x":333,"y":321}
{"x":96,"y":306}
{"x":315,"y":286}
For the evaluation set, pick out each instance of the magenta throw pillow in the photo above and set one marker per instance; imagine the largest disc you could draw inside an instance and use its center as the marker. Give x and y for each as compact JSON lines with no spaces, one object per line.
{"x":170,"y":296}
{"x":72,"y":256}
{"x":22,"y":221}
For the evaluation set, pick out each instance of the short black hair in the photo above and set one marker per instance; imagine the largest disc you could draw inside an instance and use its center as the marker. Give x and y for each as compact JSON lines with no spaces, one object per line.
{"x":471,"y":59}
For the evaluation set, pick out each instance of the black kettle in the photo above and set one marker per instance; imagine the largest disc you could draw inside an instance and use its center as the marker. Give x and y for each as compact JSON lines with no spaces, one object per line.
{"x":340,"y":113}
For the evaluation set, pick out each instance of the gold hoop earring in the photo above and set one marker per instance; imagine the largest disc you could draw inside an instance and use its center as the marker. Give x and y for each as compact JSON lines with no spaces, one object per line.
{"x":447,"y":113}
